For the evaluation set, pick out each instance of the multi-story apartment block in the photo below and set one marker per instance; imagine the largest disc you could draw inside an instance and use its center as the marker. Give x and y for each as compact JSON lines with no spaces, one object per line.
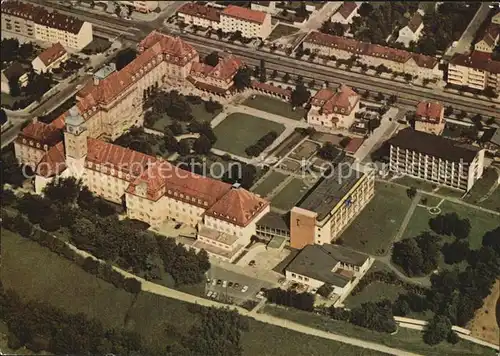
{"x":38,"y":23}
{"x":332,"y":205}
{"x":435,"y":159}
{"x":199,"y":15}
{"x":476,"y":71}
{"x":333,"y":109}
{"x":345,"y":13}
{"x":218,"y":79}
{"x":50,"y":58}
{"x":370,"y":54}
{"x":251,"y":23}
{"x":429,"y":117}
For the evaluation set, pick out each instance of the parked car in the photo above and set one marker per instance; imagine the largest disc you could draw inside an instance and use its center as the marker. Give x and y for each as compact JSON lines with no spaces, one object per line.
{"x":208,"y":280}
{"x":214,"y":296}
{"x":219,"y":282}
{"x":236,"y":286}
{"x":260,"y":295}
{"x":224,"y":284}
{"x":230,"y":284}
{"x":214,"y":282}
{"x":251,"y":263}
{"x":244,"y":289}
{"x":209,"y":294}
{"x":178,"y":226}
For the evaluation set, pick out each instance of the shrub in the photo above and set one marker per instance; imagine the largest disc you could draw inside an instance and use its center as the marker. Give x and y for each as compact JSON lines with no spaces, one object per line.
{"x":264,"y":142}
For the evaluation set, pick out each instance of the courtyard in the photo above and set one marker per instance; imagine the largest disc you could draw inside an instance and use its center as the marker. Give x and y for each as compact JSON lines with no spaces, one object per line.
{"x":272,"y":180}
{"x":290,"y":195}
{"x":275,"y":106}
{"x":304,"y":151}
{"x":374,"y":229}
{"x":198,"y":111}
{"x":239,"y":131}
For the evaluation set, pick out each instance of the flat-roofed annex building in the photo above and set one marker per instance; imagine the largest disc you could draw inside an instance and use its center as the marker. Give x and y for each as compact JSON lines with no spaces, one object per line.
{"x":332,"y":205}
{"x":38,"y":23}
{"x":338,"y":267}
{"x":435,"y":159}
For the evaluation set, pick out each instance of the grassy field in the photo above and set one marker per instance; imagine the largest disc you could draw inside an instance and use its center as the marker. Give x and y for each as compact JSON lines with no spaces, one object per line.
{"x":374,"y":292}
{"x":199,"y":114}
{"x":481,"y":221}
{"x":405,"y":339}
{"x":239,"y":131}
{"x":289,"y":195}
{"x":282,"y":30}
{"x":375,"y":227}
{"x":482,"y":187}
{"x":275,"y":106}
{"x":37,"y":273}
{"x":268,"y":184}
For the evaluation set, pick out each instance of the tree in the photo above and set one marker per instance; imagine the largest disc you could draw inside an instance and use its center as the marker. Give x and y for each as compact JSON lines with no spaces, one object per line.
{"x":118,"y":10}
{"x":365,"y":9}
{"x":212,"y":59}
{"x":184,"y":147}
{"x":132,"y":285}
{"x":263,"y":72}
{"x":407,"y":254}
{"x":401,"y":307}
{"x":411,"y":192}
{"x":130,"y":10}
{"x":448,"y":111}
{"x":492,"y":239}
{"x":242,"y":78}
{"x":274,"y":74}
{"x":301,"y":11}
{"x":376,"y":316}
{"x":170,"y":141}
{"x":286,"y":77}
{"x":176,"y":128}
{"x":26,"y":50}
{"x":490,"y":93}
{"x":328,"y":151}
{"x":392,"y":100}
{"x":3,"y":117}
{"x":437,"y":330}
{"x":14,"y":87}
{"x":455,"y":252}
{"x":202,"y":145}
{"x":64,"y":191}
{"x":453,"y":338}
{"x":124,"y":57}
{"x":477,"y":121}
{"x":300,"y":95}
{"x":22,"y":226}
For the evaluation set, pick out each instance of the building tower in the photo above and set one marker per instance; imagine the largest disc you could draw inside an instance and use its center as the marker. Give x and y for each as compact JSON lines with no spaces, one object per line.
{"x":75,"y":142}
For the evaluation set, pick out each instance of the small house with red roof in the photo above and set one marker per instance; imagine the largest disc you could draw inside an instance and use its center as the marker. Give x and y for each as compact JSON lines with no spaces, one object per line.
{"x":429,"y":117}
{"x":51,"y":58}
{"x":345,"y":13}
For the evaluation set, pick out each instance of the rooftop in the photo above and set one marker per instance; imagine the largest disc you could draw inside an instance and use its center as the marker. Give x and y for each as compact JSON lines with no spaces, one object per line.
{"x":42,"y":16}
{"x":318,"y":262}
{"x":245,"y":14}
{"x":197,"y":10}
{"x":430,"y":110}
{"x":477,"y":60}
{"x":341,"y":101}
{"x":330,"y":190}
{"x":14,"y":71}
{"x":274,"y":220}
{"x":434,"y":145}
{"x":53,"y":162}
{"x":369,"y":49}
{"x":218,"y":236}
{"x":45,"y":134}
{"x":347,"y":8}
{"x":224,"y":70}
{"x":52,"y":54}
{"x":415,"y":22}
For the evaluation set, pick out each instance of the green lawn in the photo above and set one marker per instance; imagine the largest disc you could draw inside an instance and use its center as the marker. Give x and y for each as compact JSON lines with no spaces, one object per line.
{"x":481,"y":221}
{"x":482,"y":187}
{"x":199,"y":114}
{"x":282,"y":30}
{"x":36,"y":273}
{"x":290,"y":195}
{"x":374,"y":292}
{"x":405,"y":339}
{"x":275,"y":106}
{"x":374,"y":229}
{"x":268,"y":184}
{"x":239,"y":131}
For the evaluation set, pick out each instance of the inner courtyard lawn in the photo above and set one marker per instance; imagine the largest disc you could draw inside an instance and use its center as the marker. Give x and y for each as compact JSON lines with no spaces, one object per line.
{"x":239,"y":131}
{"x":275,"y":106}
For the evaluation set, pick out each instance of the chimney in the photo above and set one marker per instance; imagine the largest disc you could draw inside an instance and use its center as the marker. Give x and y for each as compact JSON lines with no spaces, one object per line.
{"x":96,"y":80}
{"x":236,"y":185}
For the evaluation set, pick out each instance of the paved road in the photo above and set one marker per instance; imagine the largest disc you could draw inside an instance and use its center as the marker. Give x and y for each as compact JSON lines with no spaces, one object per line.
{"x":275,"y":61}
{"x":463,"y":45}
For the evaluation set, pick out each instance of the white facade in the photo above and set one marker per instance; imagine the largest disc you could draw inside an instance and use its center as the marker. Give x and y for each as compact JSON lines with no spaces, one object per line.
{"x":248,"y":29}
{"x":406,"y":35}
{"x":330,"y":121}
{"x":40,"y":67}
{"x":68,"y":39}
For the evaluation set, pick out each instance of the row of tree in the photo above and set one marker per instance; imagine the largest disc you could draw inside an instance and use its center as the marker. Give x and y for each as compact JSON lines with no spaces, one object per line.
{"x":265,"y":141}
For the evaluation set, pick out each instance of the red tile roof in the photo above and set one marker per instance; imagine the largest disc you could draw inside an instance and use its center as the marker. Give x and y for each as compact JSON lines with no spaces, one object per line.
{"x":347,"y":8}
{"x":245,"y":14}
{"x":415,"y":22}
{"x":171,"y":49}
{"x":477,"y":60}
{"x":271,"y":88}
{"x":368,"y":49}
{"x":197,"y":10}
{"x":354,"y":145}
{"x":117,"y":158}
{"x":238,"y":206}
{"x":53,"y":162}
{"x":224,"y":70}
{"x":342,"y":101}
{"x":52,"y":54}
{"x":41,"y":16}
{"x":41,"y":133}
{"x":430,"y":111}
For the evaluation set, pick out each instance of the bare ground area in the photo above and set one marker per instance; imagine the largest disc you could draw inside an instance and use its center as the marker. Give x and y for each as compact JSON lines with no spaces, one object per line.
{"x":484,"y":326}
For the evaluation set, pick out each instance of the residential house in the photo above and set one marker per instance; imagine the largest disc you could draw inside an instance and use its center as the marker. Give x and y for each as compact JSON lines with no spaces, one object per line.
{"x":496,"y":18}
{"x":429,"y":117}
{"x":199,"y":15}
{"x":50,"y":58}
{"x":489,"y":40}
{"x":336,"y":266}
{"x":333,"y":109}
{"x":412,"y":31}
{"x":345,"y":13}
{"x":38,"y":23}
{"x":251,"y":23}
{"x":15,"y":72}
{"x":436,"y":159}
{"x":370,"y":54}
{"x":265,"y":6}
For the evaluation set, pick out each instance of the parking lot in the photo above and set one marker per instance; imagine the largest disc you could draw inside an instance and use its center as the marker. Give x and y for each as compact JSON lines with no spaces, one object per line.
{"x":233,"y":291}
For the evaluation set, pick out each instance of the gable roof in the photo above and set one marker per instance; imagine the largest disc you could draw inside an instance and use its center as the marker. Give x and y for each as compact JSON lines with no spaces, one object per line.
{"x":341,"y":101}
{"x":205,"y":12}
{"x":245,"y":14}
{"x":14,"y":71}
{"x":347,"y":8}
{"x":53,"y":162}
{"x":477,"y":60}
{"x":415,"y":22}
{"x":238,"y":206}
{"x":430,"y":110}
{"x":52,"y":54}
{"x":433,"y":145}
{"x":41,"y":133}
{"x":224,"y":70}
